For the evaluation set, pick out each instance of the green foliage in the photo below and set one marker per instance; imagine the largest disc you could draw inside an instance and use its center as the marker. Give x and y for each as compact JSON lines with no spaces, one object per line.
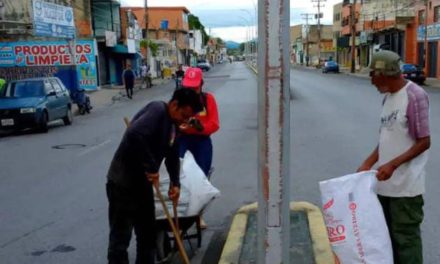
{"x":241,"y":47}
{"x":233,"y":52}
{"x":154,"y":47}
{"x":194,"y":23}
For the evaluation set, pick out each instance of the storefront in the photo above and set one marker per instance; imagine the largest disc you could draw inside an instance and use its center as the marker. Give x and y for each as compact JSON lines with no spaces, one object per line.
{"x":76,"y":67}
{"x":432,"y":38}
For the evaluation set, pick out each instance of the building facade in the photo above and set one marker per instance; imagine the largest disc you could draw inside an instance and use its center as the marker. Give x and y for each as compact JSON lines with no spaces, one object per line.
{"x":41,"y":38}
{"x":429,"y":13}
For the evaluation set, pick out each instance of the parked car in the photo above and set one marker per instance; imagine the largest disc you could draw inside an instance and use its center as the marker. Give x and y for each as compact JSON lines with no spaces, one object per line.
{"x":33,"y":103}
{"x":413,"y":72}
{"x":330,"y":66}
{"x":203,"y":65}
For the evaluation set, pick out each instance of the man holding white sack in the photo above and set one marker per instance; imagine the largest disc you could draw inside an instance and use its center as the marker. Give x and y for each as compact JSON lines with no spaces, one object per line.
{"x":401,"y":155}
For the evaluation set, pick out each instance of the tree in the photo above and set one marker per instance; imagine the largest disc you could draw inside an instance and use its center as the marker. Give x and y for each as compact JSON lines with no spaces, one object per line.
{"x":194,"y":23}
{"x":154,"y":47}
{"x":242,"y":47}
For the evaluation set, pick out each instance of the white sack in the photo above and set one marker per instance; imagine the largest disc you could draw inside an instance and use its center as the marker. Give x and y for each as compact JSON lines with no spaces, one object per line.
{"x":196,"y":192}
{"x":355,"y":221}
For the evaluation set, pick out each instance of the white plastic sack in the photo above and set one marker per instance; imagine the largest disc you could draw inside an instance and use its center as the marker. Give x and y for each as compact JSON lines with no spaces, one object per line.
{"x":355,"y":221}
{"x":196,"y":192}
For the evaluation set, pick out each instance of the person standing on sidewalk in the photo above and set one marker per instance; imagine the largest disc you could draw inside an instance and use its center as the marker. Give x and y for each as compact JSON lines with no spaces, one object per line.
{"x":402,"y":153}
{"x":145,"y":73}
{"x":148,"y":140}
{"x":128,"y":77}
{"x":196,"y":134}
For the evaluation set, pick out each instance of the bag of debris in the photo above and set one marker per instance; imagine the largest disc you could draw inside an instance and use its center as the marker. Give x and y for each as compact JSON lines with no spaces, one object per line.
{"x":196,"y":191}
{"x":355,"y":220}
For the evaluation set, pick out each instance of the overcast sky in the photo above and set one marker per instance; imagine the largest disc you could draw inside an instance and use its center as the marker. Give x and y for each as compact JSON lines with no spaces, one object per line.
{"x":235,"y":19}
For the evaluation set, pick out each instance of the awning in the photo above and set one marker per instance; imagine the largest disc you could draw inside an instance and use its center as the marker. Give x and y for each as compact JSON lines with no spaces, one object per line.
{"x":122,"y":49}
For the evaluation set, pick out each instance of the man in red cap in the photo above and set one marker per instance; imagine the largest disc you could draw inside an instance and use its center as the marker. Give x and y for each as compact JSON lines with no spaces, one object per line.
{"x":195,"y":135}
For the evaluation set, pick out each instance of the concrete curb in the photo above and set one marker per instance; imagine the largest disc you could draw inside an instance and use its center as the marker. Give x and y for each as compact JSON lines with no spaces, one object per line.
{"x":318,"y":233}
{"x":253,"y":69}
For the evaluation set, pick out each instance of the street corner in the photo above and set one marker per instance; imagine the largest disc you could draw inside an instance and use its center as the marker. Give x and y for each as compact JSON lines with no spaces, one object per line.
{"x":310,"y":241}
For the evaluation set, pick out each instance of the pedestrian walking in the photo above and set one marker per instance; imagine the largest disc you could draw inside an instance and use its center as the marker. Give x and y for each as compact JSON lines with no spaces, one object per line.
{"x":179,"y":76}
{"x":401,"y":155}
{"x":128,"y":77}
{"x":196,"y":134}
{"x":145,"y":73}
{"x":149,"y":140}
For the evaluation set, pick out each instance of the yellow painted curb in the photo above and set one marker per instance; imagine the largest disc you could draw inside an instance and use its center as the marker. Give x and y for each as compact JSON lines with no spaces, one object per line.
{"x":253,"y":69}
{"x":318,"y":233}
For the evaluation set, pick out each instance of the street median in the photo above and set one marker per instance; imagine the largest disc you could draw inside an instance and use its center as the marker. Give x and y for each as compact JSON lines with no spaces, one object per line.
{"x":308,"y":236}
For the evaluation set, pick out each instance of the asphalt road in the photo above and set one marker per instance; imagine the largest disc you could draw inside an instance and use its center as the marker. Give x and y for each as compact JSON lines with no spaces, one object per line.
{"x":53,"y":207}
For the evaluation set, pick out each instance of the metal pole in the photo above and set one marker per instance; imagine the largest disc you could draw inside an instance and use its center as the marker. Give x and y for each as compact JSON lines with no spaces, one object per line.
{"x":273,"y":131}
{"x":319,"y":26}
{"x":426,"y":64}
{"x":307,"y":17}
{"x":353,"y":37}
{"x":146,"y":29}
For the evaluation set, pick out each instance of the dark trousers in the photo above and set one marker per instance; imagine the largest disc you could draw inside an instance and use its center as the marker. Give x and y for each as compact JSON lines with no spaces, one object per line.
{"x":146,"y":80}
{"x":130,"y":210}
{"x":129,"y":90}
{"x":404,"y":216}
{"x":200,"y":147}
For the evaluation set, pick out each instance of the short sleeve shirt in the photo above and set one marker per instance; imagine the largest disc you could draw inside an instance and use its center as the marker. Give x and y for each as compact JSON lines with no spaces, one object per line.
{"x":404,"y":119}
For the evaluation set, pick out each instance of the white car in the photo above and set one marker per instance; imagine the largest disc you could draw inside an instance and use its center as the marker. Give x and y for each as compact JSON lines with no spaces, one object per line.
{"x":203,"y":65}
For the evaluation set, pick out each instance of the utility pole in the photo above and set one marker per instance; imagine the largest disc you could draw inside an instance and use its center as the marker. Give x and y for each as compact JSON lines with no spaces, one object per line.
{"x":426,"y":64}
{"x":307,"y":17}
{"x":318,"y":16}
{"x":353,"y":36}
{"x":146,"y":29}
{"x":273,"y":132}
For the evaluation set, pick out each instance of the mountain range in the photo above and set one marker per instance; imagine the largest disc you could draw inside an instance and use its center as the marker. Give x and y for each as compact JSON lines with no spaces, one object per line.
{"x":232,"y":45}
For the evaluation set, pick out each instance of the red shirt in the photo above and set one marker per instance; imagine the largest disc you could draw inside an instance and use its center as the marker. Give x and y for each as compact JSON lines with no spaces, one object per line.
{"x":208,"y":118}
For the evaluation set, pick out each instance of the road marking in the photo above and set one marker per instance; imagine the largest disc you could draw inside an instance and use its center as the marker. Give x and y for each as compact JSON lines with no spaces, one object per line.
{"x":94,"y":148}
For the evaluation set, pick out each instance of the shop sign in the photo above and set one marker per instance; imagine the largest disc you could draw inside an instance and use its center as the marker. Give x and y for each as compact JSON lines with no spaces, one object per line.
{"x":53,"y":53}
{"x":52,"y":20}
{"x":433,"y":32}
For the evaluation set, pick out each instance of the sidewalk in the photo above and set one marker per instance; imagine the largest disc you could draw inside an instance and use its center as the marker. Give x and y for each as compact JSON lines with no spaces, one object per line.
{"x":109,"y":94}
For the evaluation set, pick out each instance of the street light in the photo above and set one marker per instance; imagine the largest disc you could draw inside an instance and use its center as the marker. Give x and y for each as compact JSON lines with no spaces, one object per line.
{"x":254,"y":33}
{"x":248,"y":48}
{"x":246,"y":41}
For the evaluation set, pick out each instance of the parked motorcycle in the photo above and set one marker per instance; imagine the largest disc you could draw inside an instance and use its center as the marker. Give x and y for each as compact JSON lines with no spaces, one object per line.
{"x":82,"y":100}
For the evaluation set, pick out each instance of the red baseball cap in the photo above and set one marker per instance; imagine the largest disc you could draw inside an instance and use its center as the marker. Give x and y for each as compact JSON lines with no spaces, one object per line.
{"x":193,"y":78}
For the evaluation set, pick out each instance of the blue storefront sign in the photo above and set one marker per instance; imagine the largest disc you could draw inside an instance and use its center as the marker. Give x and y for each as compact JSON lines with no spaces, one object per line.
{"x":52,"y":20}
{"x":433,"y":32}
{"x":20,"y":60}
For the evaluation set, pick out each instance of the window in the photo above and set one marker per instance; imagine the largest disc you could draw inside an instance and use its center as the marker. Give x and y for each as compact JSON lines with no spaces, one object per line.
{"x":437,"y":14}
{"x":56,"y":86}
{"x":47,"y":87}
{"x":23,"y":89}
{"x":421,"y":17}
